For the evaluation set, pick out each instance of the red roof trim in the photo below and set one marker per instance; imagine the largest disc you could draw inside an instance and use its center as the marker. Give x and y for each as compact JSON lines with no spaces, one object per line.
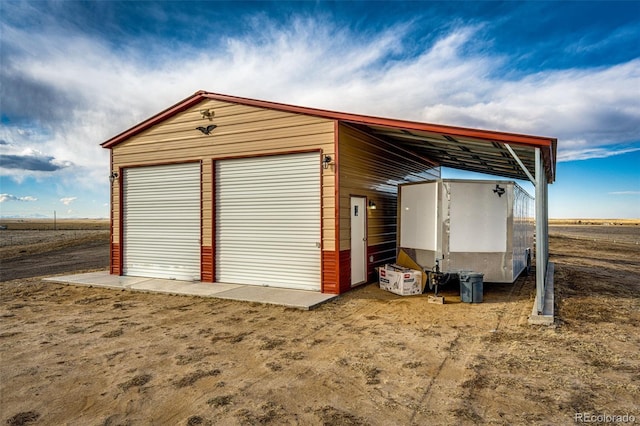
{"x":546,"y":143}
{"x":199,"y":96}
{"x":539,"y":141}
{"x":158,"y":118}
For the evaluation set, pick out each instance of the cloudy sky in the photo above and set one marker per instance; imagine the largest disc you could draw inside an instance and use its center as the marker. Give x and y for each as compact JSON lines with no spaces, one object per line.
{"x":74,"y":74}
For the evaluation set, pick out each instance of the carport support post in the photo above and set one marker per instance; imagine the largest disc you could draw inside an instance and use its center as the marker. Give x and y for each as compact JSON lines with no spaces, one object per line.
{"x":542,"y":231}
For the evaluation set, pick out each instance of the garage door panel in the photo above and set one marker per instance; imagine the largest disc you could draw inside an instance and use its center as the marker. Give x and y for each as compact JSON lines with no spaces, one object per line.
{"x":268,"y":221}
{"x":285,"y":254}
{"x":161,"y":221}
{"x":242,"y":242}
{"x":159,"y":245}
{"x":301,"y":200}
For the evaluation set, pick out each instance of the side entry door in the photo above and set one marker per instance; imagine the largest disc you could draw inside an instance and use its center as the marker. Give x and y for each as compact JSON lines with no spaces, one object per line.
{"x":358,"y":240}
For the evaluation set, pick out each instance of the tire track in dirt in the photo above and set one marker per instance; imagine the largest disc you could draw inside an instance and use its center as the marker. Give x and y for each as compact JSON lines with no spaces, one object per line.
{"x":428,"y":394}
{"x":455,"y":369}
{"x":512,"y":315}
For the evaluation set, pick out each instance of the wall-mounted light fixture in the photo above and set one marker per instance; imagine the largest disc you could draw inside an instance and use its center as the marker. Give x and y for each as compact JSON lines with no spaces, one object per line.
{"x":113,"y":176}
{"x":372,"y":205}
{"x":326,"y":161}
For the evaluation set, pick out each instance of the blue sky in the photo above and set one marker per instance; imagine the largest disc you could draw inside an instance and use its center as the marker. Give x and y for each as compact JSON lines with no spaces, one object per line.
{"x":74,"y":74}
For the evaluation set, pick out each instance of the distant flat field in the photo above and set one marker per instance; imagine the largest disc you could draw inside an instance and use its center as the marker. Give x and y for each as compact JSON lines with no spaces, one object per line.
{"x":605,"y":222}
{"x":619,"y":234}
{"x":50,"y":224}
{"x":22,"y":239}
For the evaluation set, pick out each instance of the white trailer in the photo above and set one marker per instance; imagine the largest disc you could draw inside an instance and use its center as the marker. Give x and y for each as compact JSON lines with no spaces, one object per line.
{"x":485,"y":226}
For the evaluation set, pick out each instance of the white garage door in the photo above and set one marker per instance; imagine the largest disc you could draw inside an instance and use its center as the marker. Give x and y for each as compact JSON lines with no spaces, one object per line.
{"x":268,"y":221}
{"x":161,"y":214}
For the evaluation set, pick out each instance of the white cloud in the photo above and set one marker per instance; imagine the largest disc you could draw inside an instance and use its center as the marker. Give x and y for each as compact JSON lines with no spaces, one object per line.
{"x":625,"y":193}
{"x":587,"y":153}
{"x":95,"y":92}
{"x":8,"y":197}
{"x":587,"y":43}
{"x":68,"y":200}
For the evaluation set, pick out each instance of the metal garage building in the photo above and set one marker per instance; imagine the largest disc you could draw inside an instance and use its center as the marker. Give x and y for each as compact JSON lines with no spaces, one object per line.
{"x":219,"y":188}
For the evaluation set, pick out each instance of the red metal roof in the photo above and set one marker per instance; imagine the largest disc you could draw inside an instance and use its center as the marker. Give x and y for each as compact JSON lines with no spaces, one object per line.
{"x":452,"y":133}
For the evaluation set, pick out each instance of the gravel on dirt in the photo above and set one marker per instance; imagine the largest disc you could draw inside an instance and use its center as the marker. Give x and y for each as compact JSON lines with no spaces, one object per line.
{"x":86,"y":253}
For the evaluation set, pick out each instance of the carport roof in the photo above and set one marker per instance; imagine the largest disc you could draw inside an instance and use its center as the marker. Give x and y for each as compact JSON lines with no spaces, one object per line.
{"x":477,"y":150}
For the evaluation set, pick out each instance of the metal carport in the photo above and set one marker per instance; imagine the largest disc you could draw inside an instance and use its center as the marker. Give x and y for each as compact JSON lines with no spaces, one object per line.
{"x":509,"y":155}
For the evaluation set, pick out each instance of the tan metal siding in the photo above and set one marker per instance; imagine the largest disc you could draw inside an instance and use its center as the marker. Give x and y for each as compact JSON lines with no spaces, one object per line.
{"x":183,"y":131}
{"x":242,"y":131}
{"x":251,"y":131}
{"x":373,"y":168}
{"x":219,"y":145}
{"x":207,"y":202}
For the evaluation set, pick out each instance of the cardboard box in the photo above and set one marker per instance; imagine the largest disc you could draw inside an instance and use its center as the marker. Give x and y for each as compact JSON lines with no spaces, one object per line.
{"x":406,"y":261}
{"x":399,"y":280}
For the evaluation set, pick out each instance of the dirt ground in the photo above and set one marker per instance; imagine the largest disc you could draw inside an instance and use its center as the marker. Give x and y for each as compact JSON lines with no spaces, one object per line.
{"x":31,"y":253}
{"x":88,"y":356}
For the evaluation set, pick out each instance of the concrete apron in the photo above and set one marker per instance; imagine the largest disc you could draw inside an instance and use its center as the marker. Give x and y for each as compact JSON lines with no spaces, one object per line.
{"x":299,"y":299}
